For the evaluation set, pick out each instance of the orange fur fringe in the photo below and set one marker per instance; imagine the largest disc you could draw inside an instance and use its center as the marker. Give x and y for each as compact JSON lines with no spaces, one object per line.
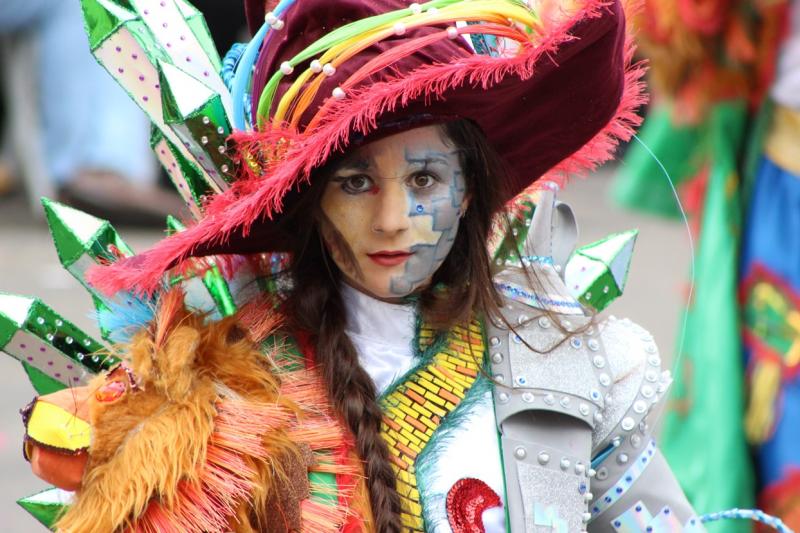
{"x":209,"y":438}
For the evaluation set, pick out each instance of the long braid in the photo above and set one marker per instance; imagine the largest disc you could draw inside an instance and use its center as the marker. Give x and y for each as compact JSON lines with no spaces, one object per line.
{"x":319,"y":307}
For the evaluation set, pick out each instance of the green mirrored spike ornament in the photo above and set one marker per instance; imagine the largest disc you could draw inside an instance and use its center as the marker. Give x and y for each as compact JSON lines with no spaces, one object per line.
{"x":196,"y":114}
{"x":36,"y":335}
{"x":197,"y":23}
{"x":185,"y":175}
{"x":123,"y":43}
{"x":167,"y":23}
{"x":211,"y":277}
{"x":596,"y":274}
{"x":47,"y":506}
{"x":509,"y":250}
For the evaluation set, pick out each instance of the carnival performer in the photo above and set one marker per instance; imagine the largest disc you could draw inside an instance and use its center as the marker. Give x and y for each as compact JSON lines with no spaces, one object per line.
{"x":379,"y":368}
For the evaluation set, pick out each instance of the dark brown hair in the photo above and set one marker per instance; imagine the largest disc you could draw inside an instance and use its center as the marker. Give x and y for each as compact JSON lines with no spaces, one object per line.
{"x":461,"y":285}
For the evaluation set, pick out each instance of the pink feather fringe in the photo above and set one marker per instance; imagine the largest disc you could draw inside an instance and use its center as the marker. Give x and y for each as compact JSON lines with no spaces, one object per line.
{"x":255,"y":197}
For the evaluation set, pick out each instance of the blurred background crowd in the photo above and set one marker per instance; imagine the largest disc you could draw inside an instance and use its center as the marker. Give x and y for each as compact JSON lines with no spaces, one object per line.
{"x":723,"y":123}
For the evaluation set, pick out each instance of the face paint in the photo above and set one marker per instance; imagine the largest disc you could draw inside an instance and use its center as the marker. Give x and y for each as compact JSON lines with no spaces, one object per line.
{"x":396,"y":205}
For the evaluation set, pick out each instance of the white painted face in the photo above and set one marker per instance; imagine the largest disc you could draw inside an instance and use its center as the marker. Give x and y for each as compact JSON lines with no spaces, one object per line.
{"x":397,"y":203}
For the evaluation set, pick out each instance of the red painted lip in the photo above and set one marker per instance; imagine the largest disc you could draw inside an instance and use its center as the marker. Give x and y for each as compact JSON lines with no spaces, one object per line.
{"x":390,"y":258}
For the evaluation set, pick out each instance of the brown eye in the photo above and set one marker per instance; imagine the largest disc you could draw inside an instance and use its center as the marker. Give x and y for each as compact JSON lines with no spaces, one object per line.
{"x":356,"y":184}
{"x":422,"y":181}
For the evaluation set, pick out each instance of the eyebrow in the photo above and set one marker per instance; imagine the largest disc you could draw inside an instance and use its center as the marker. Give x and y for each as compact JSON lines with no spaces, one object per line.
{"x":354,"y":164}
{"x":430,"y":157}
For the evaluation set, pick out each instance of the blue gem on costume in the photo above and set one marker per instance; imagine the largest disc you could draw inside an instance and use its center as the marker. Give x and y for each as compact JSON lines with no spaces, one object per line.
{"x":420,"y":208}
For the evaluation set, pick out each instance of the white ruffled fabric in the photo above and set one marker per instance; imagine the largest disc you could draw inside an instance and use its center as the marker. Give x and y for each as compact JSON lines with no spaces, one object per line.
{"x":383,"y":335}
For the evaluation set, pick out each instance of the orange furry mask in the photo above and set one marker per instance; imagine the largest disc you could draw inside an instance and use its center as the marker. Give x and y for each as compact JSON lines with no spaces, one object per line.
{"x":200,"y":435}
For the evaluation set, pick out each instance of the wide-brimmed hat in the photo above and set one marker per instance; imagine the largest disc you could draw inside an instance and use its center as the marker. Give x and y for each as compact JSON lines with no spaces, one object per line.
{"x":550,"y":83}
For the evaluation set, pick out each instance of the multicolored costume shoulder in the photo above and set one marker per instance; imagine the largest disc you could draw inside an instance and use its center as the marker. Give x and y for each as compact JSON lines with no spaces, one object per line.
{"x":201,"y":412}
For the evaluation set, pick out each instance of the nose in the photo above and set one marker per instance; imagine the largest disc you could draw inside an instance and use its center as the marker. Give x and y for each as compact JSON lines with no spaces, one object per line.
{"x":391,"y":209}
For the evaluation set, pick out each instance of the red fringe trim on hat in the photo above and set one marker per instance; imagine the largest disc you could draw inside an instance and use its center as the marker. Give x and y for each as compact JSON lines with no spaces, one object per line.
{"x":254,"y":197}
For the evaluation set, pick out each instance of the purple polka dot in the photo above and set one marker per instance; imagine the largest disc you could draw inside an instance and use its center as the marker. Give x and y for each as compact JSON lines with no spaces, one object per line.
{"x":164,"y":25}
{"x":118,"y":49}
{"x":180,"y":185}
{"x":141,"y":78}
{"x":120,"y":70}
{"x":205,"y":73}
{"x":183,"y":37}
{"x":58,"y":375}
{"x":49,"y":363}
{"x":41,"y":349}
{"x":157,"y":86}
{"x":69,"y":367}
{"x":75,"y":379}
{"x":173,"y":164}
{"x":23,"y":346}
{"x":146,"y":12}
{"x":145,"y":98}
{"x":163,"y":152}
{"x":134,"y":56}
{"x":169,"y":45}
{"x":162,"y":4}
{"x":30,"y":359}
{"x":188,"y":59}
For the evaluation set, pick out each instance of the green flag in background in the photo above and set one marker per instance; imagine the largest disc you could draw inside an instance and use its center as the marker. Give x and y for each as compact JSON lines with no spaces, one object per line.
{"x":703,"y":435}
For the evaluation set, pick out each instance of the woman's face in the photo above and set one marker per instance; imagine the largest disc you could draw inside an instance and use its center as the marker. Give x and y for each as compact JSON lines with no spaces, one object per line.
{"x":396,"y":203}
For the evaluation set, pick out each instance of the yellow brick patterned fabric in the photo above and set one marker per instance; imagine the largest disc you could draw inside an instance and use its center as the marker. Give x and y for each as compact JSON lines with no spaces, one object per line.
{"x":417,"y":405}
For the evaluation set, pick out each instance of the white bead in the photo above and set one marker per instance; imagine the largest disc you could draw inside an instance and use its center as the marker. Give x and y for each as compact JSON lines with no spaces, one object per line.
{"x":622,"y":458}
{"x":564,"y":464}
{"x":500,"y":378}
{"x":286,"y":68}
{"x":580,"y":469}
{"x":527,"y":397}
{"x":565,"y":401}
{"x":278,"y":25}
{"x":502,"y":397}
{"x":224,"y":168}
{"x":338,"y":93}
{"x":592,"y":472}
{"x":549,"y":399}
{"x":204,"y":139}
{"x":270,"y":18}
{"x":647,"y":391}
{"x":415,"y":8}
{"x":522,"y":319}
{"x":494,"y":341}
{"x":588,"y":496}
{"x":628,"y":423}
{"x":543,"y":458}
{"x":639,"y":406}
{"x":599,"y":361}
{"x":593,"y":345}
{"x":206,"y":120}
{"x":328,"y":69}
{"x":452,"y":32}
{"x":583,"y":409}
{"x":520,"y":453}
{"x":586,"y":517}
{"x":399,"y":28}
{"x":221,"y":149}
{"x":316,"y":66}
{"x":598,"y":417}
{"x":497,"y":358}
{"x":544,"y":322}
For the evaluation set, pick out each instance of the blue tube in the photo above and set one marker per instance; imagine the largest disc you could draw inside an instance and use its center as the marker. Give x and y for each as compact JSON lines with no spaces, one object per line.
{"x":244,"y":69}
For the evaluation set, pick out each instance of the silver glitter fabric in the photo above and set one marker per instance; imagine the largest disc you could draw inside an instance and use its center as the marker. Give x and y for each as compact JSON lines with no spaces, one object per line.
{"x":553,"y":500}
{"x":565,"y":369}
{"x":627,"y":359}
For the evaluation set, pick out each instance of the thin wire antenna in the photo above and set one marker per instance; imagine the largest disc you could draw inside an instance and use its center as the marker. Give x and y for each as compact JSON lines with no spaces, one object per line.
{"x":685,"y":219}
